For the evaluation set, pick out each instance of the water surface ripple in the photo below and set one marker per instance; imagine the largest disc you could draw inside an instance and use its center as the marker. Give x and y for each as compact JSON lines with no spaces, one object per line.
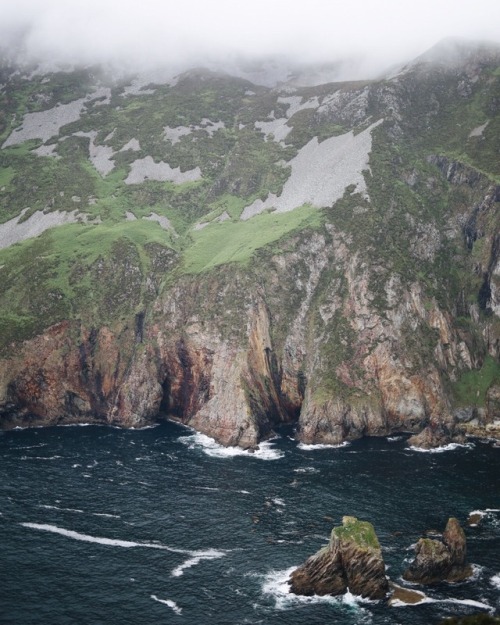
{"x":107,"y":526}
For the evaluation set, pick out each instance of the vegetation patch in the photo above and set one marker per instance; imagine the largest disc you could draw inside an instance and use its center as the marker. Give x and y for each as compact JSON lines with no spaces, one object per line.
{"x":80,"y":272}
{"x":360,"y":532}
{"x":236,"y":242}
{"x":471,"y":388}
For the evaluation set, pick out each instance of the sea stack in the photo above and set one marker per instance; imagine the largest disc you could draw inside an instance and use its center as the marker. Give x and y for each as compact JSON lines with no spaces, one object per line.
{"x":352,"y":561}
{"x":440,"y":560}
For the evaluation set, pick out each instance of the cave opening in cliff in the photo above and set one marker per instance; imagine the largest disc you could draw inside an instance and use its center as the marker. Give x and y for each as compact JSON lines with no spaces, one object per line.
{"x":168,"y":406}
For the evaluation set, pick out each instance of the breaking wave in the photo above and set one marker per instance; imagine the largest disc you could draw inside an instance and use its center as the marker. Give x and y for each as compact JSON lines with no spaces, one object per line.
{"x":275,"y":585}
{"x":264,"y":451}
{"x":313,"y":447}
{"x":440,"y":450}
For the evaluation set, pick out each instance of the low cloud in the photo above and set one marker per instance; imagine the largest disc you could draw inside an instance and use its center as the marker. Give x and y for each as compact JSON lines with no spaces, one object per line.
{"x":152,"y":33}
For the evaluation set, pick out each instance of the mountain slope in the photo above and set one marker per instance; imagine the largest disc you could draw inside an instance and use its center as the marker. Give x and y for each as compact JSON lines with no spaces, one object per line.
{"x":238,"y":256}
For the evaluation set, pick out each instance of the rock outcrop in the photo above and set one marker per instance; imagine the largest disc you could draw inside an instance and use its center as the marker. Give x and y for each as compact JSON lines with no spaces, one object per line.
{"x":352,"y":560}
{"x":440,"y":560}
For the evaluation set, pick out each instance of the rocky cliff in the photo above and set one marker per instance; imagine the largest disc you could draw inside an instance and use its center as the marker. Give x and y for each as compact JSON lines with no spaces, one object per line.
{"x":236,"y":256}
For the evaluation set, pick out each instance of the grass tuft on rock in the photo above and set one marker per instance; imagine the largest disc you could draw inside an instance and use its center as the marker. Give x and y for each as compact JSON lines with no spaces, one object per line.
{"x":361,"y":533}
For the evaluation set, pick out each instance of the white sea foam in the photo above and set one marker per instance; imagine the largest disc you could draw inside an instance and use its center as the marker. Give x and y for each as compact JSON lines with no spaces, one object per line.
{"x":41,"y":457}
{"x":477,"y":572}
{"x":397,"y":603}
{"x":439,"y":450}
{"x":394,"y":439}
{"x":278,"y":501}
{"x":210,"y":554}
{"x":312,"y":447}
{"x":76,"y":510}
{"x":169,"y":602}
{"x":195,"y":557}
{"x":468,"y":602}
{"x":306,"y":470}
{"x":212,"y":448}
{"x":480,"y":513}
{"x":276,"y":586}
{"x":495,"y":581}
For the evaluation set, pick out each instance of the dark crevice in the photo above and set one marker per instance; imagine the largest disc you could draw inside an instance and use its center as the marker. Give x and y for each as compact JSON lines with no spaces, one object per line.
{"x":139,"y":327}
{"x":168,"y":408}
{"x":484,"y":295}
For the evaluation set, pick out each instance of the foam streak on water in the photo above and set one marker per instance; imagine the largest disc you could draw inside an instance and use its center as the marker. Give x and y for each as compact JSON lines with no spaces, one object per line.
{"x":195,"y":556}
{"x":171,"y":604}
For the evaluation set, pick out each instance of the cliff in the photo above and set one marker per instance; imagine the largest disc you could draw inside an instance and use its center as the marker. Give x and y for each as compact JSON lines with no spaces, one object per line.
{"x":236,"y":257}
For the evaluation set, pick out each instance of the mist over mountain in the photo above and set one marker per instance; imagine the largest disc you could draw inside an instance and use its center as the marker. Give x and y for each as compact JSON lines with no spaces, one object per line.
{"x":356,"y":40}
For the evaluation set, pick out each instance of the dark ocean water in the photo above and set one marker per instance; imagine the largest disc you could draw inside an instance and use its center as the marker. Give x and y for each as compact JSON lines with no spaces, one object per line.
{"x":103,"y":526}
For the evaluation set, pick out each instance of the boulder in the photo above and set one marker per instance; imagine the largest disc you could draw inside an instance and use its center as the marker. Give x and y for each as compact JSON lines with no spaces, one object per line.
{"x":352,"y":561}
{"x":440,"y":560}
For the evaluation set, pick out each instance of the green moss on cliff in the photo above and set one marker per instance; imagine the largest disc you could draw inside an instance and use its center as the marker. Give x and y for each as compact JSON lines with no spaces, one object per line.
{"x":361,"y":533}
{"x":471,"y":388}
{"x":80,"y":272}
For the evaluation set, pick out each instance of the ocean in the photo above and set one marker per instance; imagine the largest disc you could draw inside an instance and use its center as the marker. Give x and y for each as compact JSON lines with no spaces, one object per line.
{"x":162,"y":525}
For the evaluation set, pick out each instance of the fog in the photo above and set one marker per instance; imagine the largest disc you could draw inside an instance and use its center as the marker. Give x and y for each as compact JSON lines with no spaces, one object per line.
{"x":144,"y":34}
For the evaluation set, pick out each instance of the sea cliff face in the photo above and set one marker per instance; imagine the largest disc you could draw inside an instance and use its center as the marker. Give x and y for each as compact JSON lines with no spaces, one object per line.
{"x":372,"y":311}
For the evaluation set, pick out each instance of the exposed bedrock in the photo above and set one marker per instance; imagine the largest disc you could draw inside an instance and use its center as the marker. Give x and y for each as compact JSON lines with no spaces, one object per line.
{"x":316,"y":335}
{"x":237,"y":377}
{"x":351,"y":560}
{"x":440,"y":560}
